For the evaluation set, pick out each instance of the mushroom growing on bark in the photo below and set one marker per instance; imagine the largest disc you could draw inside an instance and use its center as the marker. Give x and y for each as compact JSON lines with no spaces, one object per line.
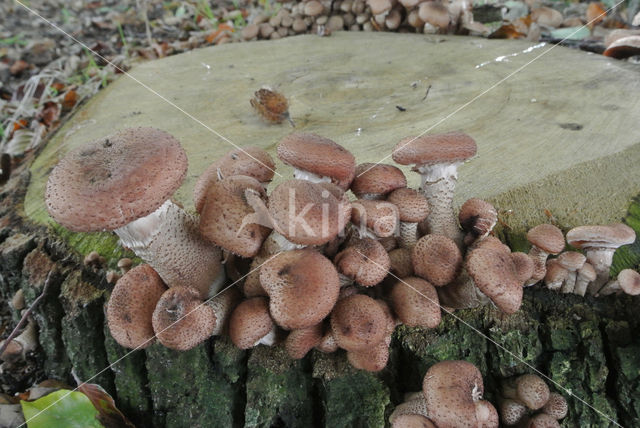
{"x":251,"y":325}
{"x":436,"y":158}
{"x":628,"y":281}
{"x":412,"y":209}
{"x":375,"y":181}
{"x":123,"y":183}
{"x":364,"y":261}
{"x":131,"y":307}
{"x":477,"y":218}
{"x":600,"y":242}
{"x":545,"y":239}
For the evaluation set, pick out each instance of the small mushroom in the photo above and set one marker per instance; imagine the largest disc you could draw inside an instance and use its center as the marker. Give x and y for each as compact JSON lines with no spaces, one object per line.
{"x":477,"y":218}
{"x":181,"y":321}
{"x":364,"y":261}
{"x":415,"y":302}
{"x":586,"y":275}
{"x":374,"y":219}
{"x":435,"y":15}
{"x":556,"y":276}
{"x":437,"y":259}
{"x":511,"y":411}
{"x":412,"y":209}
{"x":317,"y":159}
{"x":302,"y":340}
{"x":436,"y":158}
{"x":375,"y":181}
{"x":22,"y":344}
{"x":358,"y":323}
{"x":628,"y":281}
{"x":251,"y":325}
{"x":572,"y":261}
{"x":545,"y":239}
{"x":532,"y":391}
{"x":599,"y":243}
{"x":131,"y":306}
{"x":556,"y":406}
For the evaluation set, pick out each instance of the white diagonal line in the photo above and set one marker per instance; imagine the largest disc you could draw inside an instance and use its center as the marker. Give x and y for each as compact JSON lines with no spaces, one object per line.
{"x":151,"y":338}
{"x":147,"y":87}
{"x":519,"y":69}
{"x":450,"y":312}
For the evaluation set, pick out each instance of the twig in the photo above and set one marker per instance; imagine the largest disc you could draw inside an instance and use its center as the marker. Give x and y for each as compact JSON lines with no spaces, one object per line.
{"x":26,"y":314}
{"x":142,"y":10}
{"x":427,"y":93}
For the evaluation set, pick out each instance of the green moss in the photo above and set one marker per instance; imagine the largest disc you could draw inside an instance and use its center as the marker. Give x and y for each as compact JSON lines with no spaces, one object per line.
{"x":82,"y":331}
{"x":186,"y":389}
{"x":130,"y":378}
{"x":628,"y":257}
{"x":356,"y":400}
{"x":279,"y":390}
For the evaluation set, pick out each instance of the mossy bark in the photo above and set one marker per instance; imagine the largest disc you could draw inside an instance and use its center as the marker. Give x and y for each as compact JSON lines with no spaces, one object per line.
{"x":587,"y":346}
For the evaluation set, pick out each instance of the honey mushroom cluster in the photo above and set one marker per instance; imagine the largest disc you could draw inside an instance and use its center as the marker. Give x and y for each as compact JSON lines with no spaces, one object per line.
{"x":526,"y":401}
{"x":325,"y":16}
{"x":314,"y":268}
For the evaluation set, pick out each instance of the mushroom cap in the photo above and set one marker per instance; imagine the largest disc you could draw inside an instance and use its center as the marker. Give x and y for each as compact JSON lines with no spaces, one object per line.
{"x":303,"y":287}
{"x":302,"y":340}
{"x":412,"y":421}
{"x":571,"y":260}
{"x":381,"y":217}
{"x":491,"y":242}
{"x":557,"y":407}
{"x":433,"y":149}
{"x":477,"y":217}
{"x":373,"y":359}
{"x":437,"y":259}
{"x":306,"y":213}
{"x":226,"y":209}
{"x":486,"y":415}
{"x":250,"y":161}
{"x":624,"y":47}
{"x":107,"y":183}
{"x":358,"y":322}
{"x":415,"y":302}
{"x":629,"y":281}
{"x":401,"y":262}
{"x":524,"y":266}
{"x":412,"y":205}
{"x":546,"y":16}
{"x":181,"y":320}
{"x":435,"y":13}
{"x":601,"y":236}
{"x":494,"y":273}
{"x":451,"y":389}
{"x":379,"y":6}
{"x":588,"y":272}
{"x":542,"y":420}
{"x":547,"y":237}
{"x":365,"y":261}
{"x":131,"y":307}
{"x":250,"y":322}
{"x":511,"y":411}
{"x":318,"y":155}
{"x":377,"y":179}
{"x":532,"y":391}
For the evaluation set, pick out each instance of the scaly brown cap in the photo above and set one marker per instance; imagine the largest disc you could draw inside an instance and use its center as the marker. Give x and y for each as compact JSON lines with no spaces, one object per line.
{"x":415,"y":302}
{"x":181,"y":320}
{"x":605,"y":236}
{"x":494,"y":273}
{"x":381,"y":217}
{"x":224,"y":214}
{"x":437,"y":259}
{"x":412,"y":421}
{"x":524,"y":266}
{"x":532,"y":391}
{"x":302,"y":340}
{"x":303,"y":287}
{"x":556,"y":407}
{"x":547,"y":237}
{"x":250,"y":322}
{"x":435,"y":148}
{"x":131,"y":307}
{"x":373,"y":181}
{"x":318,"y":155}
{"x":571,"y":260}
{"x":629,"y":281}
{"x":306,"y":213}
{"x":365,"y":261}
{"x":412,"y":205}
{"x":373,"y":359}
{"x":542,"y":420}
{"x":477,"y":218}
{"x":401,"y":263}
{"x":451,"y":389}
{"x":250,"y":161}
{"x":108,"y":183}
{"x":358,"y":322}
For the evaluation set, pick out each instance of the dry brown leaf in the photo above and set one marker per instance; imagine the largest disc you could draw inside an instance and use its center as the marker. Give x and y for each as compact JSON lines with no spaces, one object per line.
{"x":595,"y":14}
{"x":271,"y":105}
{"x":507,"y":31}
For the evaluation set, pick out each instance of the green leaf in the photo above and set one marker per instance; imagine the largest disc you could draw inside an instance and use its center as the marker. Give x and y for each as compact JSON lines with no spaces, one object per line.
{"x":62,"y":408}
{"x":571,"y":33}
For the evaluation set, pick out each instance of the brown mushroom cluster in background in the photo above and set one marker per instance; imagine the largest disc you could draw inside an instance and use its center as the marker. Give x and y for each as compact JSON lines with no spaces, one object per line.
{"x":527,"y":401}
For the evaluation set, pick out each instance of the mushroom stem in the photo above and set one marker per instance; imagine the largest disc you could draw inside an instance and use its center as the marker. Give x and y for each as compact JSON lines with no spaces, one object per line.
{"x":408,"y":234}
{"x":462,"y":293}
{"x":610,"y":287}
{"x":600,"y":259}
{"x":539,"y":257}
{"x":25,"y":342}
{"x":168,"y":239}
{"x":301,"y":174}
{"x":438,"y":185}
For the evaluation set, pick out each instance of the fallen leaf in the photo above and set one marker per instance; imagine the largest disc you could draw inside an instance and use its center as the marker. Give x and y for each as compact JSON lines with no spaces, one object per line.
{"x":595,"y":14}
{"x":109,"y":415}
{"x":271,"y":105}
{"x":18,"y":67}
{"x":70,"y":99}
{"x":71,"y":409}
{"x":507,"y":31}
